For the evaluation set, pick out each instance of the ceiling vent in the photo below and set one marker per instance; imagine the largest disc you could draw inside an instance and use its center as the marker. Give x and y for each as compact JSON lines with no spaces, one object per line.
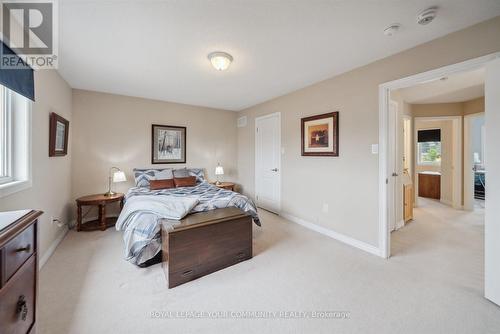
{"x":242,"y":122}
{"x":427,"y":16}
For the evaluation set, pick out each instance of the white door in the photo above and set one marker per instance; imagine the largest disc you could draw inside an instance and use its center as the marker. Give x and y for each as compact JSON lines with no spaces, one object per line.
{"x":492,"y":207}
{"x":392,"y":168}
{"x":268,"y":162}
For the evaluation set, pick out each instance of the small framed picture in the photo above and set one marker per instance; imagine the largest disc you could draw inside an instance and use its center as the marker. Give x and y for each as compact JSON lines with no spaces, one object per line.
{"x":320,"y":135}
{"x":58,"y":136}
{"x":168,"y":144}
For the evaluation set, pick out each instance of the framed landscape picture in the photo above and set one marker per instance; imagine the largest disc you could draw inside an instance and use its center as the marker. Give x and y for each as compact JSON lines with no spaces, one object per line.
{"x":320,"y":135}
{"x":168,"y":144}
{"x":58,"y":135}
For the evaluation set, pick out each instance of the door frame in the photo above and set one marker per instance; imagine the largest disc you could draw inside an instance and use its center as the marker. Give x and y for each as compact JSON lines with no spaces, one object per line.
{"x":384,"y":94}
{"x":279,"y":157}
{"x":457,"y":180}
{"x":468,"y":178}
{"x":393,"y":143}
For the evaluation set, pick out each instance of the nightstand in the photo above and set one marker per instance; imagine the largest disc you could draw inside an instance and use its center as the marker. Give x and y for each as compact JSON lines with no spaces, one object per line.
{"x":101,"y":201}
{"x":225,"y":185}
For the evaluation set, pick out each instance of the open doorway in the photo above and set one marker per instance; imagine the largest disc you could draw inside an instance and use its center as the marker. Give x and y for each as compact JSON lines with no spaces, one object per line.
{"x":474,"y":161}
{"x":485,"y":245}
{"x":440,"y":125}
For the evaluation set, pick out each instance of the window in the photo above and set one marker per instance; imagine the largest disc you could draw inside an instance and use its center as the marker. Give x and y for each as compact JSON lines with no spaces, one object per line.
{"x":429,"y":147}
{"x":429,"y":153}
{"x":5,"y":138}
{"x":14,"y":142}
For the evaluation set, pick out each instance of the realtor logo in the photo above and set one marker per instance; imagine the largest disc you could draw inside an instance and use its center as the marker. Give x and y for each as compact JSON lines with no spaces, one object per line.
{"x":29,"y":28}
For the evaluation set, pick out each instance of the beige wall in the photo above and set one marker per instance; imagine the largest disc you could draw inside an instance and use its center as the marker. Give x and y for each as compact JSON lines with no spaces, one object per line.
{"x":113,"y":130}
{"x":448,"y":109}
{"x":51,"y":190}
{"x":349,"y":183}
{"x":437,"y":109}
{"x":473,"y":106}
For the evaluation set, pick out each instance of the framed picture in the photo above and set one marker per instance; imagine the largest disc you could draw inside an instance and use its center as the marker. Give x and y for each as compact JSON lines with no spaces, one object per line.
{"x":58,"y":135}
{"x":168,"y":144}
{"x":320,"y":135}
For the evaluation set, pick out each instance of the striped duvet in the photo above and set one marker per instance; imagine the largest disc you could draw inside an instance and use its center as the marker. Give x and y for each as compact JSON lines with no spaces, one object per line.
{"x":142,"y":231}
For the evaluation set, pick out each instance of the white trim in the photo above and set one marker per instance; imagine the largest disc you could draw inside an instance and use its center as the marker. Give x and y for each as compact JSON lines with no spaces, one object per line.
{"x":279,"y":155}
{"x":446,"y":202}
{"x":334,"y":235}
{"x":48,"y":253}
{"x":468,"y":163}
{"x":394,"y":167}
{"x":10,"y":188}
{"x":400,"y":224}
{"x":22,"y":175}
{"x":384,"y":89}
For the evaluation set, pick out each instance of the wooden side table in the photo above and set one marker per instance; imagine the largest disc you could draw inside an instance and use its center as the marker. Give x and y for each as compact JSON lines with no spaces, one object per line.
{"x":103,"y":222}
{"x":225,"y":185}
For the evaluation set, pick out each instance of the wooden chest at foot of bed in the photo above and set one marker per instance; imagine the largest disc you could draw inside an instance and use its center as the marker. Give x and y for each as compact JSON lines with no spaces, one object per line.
{"x":205,"y":242}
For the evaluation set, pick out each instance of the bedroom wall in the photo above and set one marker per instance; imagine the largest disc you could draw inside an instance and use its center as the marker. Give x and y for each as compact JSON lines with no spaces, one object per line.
{"x":114,"y":130}
{"x":349,"y":183}
{"x":51,"y":187}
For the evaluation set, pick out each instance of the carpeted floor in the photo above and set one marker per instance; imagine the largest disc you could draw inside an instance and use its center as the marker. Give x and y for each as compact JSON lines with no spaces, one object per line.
{"x":432,"y":284}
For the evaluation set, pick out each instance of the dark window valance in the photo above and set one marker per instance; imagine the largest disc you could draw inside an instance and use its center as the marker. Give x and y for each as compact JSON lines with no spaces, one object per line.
{"x":17,"y":78}
{"x":429,"y":135}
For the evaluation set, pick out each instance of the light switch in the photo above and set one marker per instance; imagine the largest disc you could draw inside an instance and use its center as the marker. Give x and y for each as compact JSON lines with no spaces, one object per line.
{"x":374,"y":148}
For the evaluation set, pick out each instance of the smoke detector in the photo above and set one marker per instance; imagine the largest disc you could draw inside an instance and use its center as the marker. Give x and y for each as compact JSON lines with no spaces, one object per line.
{"x":392,"y":29}
{"x":427,"y":16}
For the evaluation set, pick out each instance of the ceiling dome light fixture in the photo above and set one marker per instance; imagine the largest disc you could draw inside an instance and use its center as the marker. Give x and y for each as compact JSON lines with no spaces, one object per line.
{"x":427,"y":16}
{"x":220,"y":60}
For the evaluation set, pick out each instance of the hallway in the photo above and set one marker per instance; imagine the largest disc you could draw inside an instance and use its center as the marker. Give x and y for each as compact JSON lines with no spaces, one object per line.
{"x":444,"y":242}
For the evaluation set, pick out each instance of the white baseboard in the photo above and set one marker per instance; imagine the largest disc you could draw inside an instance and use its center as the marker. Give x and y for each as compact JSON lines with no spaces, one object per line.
{"x":400,"y":224}
{"x":334,"y":235}
{"x":446,"y":202}
{"x":45,"y":257}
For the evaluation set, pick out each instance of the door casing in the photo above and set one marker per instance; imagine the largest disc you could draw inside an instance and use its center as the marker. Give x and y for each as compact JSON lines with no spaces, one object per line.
{"x":257,"y":119}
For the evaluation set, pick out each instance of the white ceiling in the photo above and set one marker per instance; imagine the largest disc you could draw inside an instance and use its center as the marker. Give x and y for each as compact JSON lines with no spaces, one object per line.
{"x":158,"y":49}
{"x":457,"y":88}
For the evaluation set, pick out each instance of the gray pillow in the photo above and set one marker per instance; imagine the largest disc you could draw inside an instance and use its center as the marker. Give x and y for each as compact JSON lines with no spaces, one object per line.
{"x":187,"y":172}
{"x":143,"y":176}
{"x":182,"y":172}
{"x":165,"y":174}
{"x":199,"y":173}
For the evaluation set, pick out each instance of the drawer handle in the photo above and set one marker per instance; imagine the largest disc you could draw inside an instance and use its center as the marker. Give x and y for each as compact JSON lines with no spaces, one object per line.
{"x":186,"y":273}
{"x":22,"y":308}
{"x":26,"y":249}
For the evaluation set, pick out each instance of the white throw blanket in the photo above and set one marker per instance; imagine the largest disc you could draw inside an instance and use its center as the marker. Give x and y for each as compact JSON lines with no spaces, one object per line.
{"x":168,"y":207}
{"x":140,"y":221}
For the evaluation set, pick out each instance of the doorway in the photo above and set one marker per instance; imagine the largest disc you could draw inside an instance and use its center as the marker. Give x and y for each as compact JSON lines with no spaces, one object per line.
{"x":491,"y":226}
{"x":474,"y":162}
{"x":268,"y":162}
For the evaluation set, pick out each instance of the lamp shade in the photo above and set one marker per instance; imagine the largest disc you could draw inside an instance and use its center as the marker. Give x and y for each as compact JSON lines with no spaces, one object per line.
{"x":119,"y":176}
{"x":219,"y":170}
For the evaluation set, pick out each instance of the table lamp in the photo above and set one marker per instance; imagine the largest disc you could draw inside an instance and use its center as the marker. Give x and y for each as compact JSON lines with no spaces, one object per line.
{"x":115,"y":175}
{"x":218,"y":171}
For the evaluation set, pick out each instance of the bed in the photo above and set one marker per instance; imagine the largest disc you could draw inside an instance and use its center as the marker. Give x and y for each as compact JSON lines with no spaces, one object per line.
{"x":145,"y":209}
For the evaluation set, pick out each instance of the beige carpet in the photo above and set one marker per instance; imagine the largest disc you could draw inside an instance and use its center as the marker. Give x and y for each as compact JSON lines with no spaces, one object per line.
{"x":432,"y":284}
